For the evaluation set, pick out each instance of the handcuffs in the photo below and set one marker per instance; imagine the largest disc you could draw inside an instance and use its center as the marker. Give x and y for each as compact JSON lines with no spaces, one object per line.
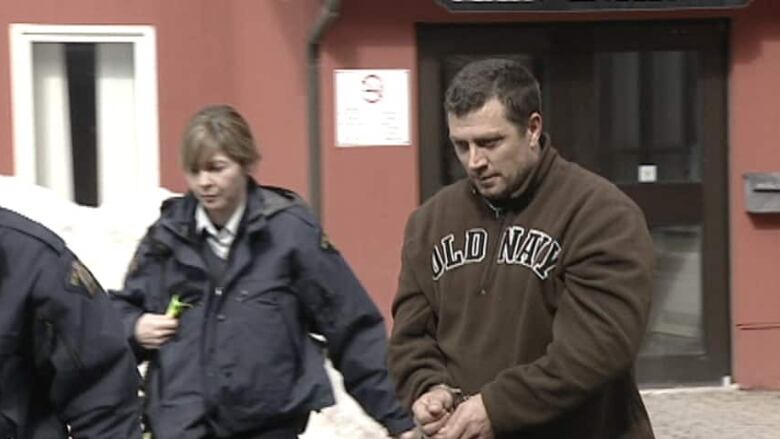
{"x":458,"y":395}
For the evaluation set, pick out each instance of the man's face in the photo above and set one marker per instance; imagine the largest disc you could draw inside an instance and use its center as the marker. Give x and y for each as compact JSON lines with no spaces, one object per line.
{"x":219,"y":184}
{"x":496,"y":155}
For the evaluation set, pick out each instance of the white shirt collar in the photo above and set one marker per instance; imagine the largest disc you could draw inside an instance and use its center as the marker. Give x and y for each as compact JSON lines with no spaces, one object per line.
{"x":202,"y":221}
{"x":220,"y":240}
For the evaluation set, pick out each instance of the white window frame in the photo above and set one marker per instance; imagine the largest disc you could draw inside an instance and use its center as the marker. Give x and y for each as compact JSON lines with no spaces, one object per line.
{"x":143,"y":39}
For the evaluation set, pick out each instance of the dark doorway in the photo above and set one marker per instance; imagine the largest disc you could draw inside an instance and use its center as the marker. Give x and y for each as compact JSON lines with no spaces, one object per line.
{"x":644,"y":105}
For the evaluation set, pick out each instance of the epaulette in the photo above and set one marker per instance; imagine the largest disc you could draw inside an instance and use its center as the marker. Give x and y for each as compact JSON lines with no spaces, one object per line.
{"x":305,"y":214}
{"x":22,"y":224}
{"x":168,"y":202}
{"x":277,"y":199}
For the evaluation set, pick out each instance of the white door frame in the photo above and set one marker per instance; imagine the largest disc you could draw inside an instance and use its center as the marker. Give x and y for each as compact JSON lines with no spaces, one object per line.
{"x":143,"y":38}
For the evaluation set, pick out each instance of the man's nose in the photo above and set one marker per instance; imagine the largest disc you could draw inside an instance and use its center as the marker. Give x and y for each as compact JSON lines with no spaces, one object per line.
{"x":476,"y":158}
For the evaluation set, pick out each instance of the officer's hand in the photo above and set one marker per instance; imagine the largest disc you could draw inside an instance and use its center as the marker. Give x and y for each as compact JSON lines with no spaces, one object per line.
{"x":432,"y":410}
{"x":152,"y":330}
{"x":469,"y":421}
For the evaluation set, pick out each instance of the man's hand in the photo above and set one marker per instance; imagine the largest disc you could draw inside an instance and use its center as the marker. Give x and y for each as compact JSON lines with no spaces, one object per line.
{"x":432,"y":410}
{"x":469,"y":421}
{"x":411,"y":434}
{"x":152,"y":330}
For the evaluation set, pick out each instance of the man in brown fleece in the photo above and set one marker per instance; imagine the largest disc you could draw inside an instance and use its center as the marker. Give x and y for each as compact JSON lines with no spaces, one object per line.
{"x":524,"y":288}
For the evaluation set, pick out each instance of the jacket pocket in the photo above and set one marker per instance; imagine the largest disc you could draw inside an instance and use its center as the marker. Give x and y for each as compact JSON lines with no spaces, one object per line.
{"x":175,"y":370}
{"x":262,"y":334}
{"x":188,"y":284}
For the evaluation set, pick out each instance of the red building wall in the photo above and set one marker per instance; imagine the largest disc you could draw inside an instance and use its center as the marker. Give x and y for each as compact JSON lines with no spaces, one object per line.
{"x":269,"y":43}
{"x":247,"y":53}
{"x":754,"y":126}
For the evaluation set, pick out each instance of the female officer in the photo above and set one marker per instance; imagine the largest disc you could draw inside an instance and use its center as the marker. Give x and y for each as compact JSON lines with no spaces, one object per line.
{"x":257,"y":276}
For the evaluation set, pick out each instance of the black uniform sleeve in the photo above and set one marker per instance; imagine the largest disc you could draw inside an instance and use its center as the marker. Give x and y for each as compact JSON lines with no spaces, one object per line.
{"x":82,"y":351}
{"x":415,"y":360}
{"x":132,"y":300}
{"x":352,"y":325}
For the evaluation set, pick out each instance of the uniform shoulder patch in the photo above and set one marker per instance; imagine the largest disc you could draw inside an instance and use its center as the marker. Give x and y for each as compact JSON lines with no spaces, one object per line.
{"x":79,"y":279}
{"x":325,"y":243}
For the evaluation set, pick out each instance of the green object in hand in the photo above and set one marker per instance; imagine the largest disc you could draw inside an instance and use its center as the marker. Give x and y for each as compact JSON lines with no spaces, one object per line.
{"x":176,"y":307}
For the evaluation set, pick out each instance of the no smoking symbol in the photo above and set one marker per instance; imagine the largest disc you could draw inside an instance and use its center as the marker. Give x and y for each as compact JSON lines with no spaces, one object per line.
{"x":372,"y":89}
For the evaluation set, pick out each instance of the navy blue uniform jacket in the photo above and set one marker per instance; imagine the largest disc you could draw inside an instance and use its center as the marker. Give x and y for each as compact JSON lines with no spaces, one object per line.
{"x":243,"y":357}
{"x":63,"y":355}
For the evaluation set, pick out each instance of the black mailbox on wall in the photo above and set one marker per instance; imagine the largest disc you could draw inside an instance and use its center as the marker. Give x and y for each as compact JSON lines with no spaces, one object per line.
{"x":762,"y":192}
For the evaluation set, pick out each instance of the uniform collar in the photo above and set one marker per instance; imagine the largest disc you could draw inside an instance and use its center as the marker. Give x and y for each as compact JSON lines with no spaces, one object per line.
{"x":202,"y":222}
{"x":179,"y":214}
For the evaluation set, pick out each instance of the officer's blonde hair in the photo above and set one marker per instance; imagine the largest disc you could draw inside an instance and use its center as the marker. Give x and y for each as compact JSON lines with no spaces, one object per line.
{"x":217,"y":128}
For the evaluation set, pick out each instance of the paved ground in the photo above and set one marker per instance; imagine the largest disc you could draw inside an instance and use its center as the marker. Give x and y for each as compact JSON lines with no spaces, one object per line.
{"x":714,"y":413}
{"x":688,"y":413}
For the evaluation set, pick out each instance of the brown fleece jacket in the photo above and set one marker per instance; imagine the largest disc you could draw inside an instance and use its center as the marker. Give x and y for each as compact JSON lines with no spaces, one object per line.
{"x":540,"y":306}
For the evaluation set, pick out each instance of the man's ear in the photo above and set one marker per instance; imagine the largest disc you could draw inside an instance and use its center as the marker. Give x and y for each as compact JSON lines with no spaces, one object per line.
{"x":534,"y":127}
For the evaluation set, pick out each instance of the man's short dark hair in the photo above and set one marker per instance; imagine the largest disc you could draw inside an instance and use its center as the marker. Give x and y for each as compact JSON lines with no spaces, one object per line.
{"x":510,"y":82}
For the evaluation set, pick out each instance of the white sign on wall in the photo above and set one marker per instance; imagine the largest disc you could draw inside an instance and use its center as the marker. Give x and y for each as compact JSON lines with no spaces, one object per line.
{"x":648,"y":173}
{"x":372,"y":107}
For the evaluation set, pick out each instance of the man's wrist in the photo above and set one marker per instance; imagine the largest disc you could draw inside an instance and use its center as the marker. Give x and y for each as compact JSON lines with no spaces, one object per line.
{"x":457,"y":394}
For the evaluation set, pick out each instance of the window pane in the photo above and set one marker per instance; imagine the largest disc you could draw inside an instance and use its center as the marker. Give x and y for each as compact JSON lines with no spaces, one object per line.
{"x":65,"y":126}
{"x":675,"y":324}
{"x":652,"y":103}
{"x":85,"y":127}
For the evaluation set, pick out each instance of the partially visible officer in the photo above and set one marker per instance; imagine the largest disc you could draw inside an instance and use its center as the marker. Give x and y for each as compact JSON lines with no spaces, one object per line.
{"x":64,"y":363}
